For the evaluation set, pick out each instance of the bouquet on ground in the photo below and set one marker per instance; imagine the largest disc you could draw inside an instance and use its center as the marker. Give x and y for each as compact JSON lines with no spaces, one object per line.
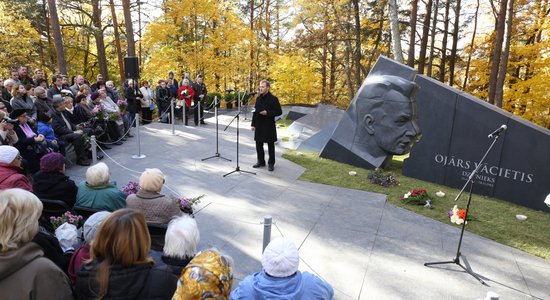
{"x":98,"y":112}
{"x":131,"y":188}
{"x":458,"y":216}
{"x":122,"y":104}
{"x":67,"y":217}
{"x":418,"y":197}
{"x":186,"y":203}
{"x":379,"y":177}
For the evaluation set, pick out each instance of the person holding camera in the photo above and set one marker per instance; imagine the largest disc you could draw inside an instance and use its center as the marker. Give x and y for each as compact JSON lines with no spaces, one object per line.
{"x":7,"y":134}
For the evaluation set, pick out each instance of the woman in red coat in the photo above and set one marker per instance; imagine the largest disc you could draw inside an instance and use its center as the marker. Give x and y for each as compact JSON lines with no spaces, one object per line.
{"x":186,"y":93}
{"x":11,"y":173}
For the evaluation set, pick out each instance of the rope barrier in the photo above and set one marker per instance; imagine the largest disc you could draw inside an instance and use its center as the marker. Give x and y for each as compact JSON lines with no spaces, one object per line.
{"x":123,"y":136}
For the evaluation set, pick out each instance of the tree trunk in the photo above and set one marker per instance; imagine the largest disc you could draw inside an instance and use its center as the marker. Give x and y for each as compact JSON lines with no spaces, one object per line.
{"x":357,"y":55}
{"x":432,"y":39}
{"x":332,"y":80}
{"x":425,"y":36}
{"x":86,"y":58}
{"x":48,"y":35}
{"x":471,"y":48}
{"x":58,"y":41}
{"x":505,"y":54}
{"x":40,"y":44}
{"x":444,"y":43}
{"x":412,"y":38}
{"x":497,"y":50}
{"x":129,"y":28}
{"x":395,"y":34}
{"x":117,"y":41}
{"x":251,"y":71}
{"x":452,"y":61}
{"x":100,"y":43}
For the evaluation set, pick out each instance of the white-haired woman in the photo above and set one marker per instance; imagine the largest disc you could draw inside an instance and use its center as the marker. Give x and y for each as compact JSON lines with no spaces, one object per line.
{"x":180,"y":244}
{"x":186,"y":95}
{"x":157,"y":207}
{"x":25,"y":272}
{"x":98,"y":191}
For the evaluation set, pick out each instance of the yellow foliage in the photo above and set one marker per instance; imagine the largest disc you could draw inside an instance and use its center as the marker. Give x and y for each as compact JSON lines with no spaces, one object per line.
{"x":295,"y":79}
{"x":17,"y":39}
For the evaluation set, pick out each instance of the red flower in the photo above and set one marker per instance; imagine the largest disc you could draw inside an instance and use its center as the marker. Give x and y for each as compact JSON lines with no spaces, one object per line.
{"x":461,"y":213}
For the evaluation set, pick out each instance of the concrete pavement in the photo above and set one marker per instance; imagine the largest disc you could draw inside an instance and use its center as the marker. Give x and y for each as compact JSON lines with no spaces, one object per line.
{"x":362,"y":245}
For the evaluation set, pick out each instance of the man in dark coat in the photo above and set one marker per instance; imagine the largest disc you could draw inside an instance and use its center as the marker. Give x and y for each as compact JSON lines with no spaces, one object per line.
{"x":67,"y":131}
{"x":263,"y":124}
{"x":200,"y":93}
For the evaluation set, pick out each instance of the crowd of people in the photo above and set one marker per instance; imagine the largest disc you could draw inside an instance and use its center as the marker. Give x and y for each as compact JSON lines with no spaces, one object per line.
{"x":114,"y":258}
{"x":38,"y":117}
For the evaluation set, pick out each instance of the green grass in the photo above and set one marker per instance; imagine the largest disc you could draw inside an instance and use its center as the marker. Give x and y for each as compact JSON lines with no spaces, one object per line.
{"x":494,"y":219}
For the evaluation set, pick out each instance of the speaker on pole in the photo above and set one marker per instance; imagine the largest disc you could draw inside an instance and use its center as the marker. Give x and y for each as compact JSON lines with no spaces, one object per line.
{"x":131,"y":67}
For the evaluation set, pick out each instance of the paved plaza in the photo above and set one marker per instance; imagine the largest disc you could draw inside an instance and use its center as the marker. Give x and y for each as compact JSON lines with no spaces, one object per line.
{"x":363,"y":246}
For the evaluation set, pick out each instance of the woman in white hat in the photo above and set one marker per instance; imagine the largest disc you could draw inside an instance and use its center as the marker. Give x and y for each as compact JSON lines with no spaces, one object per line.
{"x":11,"y":173}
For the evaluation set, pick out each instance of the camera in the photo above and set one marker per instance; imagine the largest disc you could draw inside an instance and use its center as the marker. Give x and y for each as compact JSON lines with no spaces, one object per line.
{"x":11,"y":121}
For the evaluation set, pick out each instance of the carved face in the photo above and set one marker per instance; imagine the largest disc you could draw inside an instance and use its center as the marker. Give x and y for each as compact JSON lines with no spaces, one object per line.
{"x":393,"y":124}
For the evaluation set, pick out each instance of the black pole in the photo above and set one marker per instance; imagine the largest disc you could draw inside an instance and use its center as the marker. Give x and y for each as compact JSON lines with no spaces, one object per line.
{"x":470,"y":181}
{"x":217,"y":154}
{"x":238,"y":168}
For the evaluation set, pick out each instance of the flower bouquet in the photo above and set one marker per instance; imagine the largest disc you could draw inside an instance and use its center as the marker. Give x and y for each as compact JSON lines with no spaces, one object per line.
{"x":131,"y":188}
{"x":186,"y":203}
{"x":98,"y":112}
{"x":382,"y":178}
{"x":418,"y":197}
{"x":113,"y":117}
{"x":67,"y":217}
{"x":457,"y":216}
{"x":122,"y":104}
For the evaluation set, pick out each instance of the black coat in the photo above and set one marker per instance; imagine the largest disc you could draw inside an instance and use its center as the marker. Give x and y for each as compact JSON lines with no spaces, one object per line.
{"x":55,"y":186}
{"x":142,"y":281}
{"x":58,"y":124}
{"x":265,"y":125}
{"x":133,"y":102}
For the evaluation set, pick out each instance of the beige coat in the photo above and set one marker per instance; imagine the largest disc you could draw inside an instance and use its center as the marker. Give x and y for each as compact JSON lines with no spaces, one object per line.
{"x":156,"y":207}
{"x":26,"y":274}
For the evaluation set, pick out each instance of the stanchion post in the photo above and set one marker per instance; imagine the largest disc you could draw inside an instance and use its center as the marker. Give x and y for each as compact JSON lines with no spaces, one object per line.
{"x":172,"y":116}
{"x":267,"y":231}
{"x":139,"y":155}
{"x":199,"y":113}
{"x":93,"y":143}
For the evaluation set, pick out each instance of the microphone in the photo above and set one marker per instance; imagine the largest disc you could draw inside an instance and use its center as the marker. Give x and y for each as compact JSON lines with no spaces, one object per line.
{"x":498,"y":131}
{"x":229,"y":91}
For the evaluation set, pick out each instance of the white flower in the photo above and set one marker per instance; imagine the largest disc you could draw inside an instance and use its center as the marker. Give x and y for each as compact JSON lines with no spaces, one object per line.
{"x":407,"y":195}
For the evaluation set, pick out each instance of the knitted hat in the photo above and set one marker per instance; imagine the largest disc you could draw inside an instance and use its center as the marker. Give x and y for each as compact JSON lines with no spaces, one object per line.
{"x":94,"y":95}
{"x":8,"y":154}
{"x":92,"y":225}
{"x":52,"y":162}
{"x":280,"y":258}
{"x":17,"y":112}
{"x":151,"y":180}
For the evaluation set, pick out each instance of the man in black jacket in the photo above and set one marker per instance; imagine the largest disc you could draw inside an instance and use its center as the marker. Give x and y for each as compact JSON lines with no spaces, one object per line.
{"x":263,"y":124}
{"x":67,"y":131}
{"x":200,"y":93}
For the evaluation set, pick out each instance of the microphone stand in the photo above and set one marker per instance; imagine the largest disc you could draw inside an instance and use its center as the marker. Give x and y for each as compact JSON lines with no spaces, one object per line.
{"x":470,"y":181}
{"x":217,"y":154}
{"x":237,"y":168}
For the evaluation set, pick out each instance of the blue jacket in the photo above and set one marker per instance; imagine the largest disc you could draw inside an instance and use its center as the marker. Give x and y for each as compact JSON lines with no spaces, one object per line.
{"x":105,"y":196}
{"x":46,"y":130}
{"x":300,"y":286}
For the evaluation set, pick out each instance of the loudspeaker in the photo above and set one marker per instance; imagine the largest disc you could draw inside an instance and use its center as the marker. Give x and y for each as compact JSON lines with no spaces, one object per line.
{"x":131,"y":67}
